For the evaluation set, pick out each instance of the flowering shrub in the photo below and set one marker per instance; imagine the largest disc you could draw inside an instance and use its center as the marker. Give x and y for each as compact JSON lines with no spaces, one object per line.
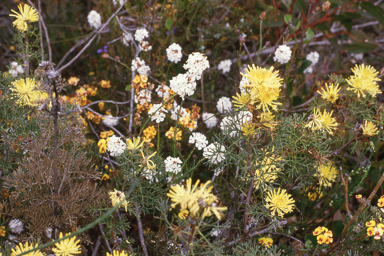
{"x":153,"y":135}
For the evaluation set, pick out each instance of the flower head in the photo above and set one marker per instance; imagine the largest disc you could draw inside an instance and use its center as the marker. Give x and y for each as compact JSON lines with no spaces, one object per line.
{"x":224,"y":104}
{"x":67,"y":247}
{"x":266,"y":241}
{"x":94,"y":19}
{"x":282,"y":54}
{"x":115,"y":146}
{"x":173,"y":164}
{"x":327,"y":174}
{"x":174,"y":53}
{"x":20,"y":248}
{"x":16,"y":226}
{"x":278,"y":201}
{"x":214,"y":153}
{"x":116,"y":197}
{"x":324,"y":236}
{"x":266,"y":169}
{"x":369,"y":128}
{"x":330,"y":92}
{"x":26,"y":91}
{"x":118,"y":253}
{"x":364,"y":80}
{"x":322,"y":121}
{"x":134,"y":143}
{"x":183,"y":214}
{"x":196,"y":64}
{"x":27,"y":13}
{"x":170,"y":134}
{"x":225,"y":66}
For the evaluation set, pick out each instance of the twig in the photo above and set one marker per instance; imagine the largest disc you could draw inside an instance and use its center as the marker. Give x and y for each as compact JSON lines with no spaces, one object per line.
{"x":105,"y":239}
{"x":140,"y":225}
{"x":282,"y":234}
{"x":249,"y":55}
{"x":342,"y":147}
{"x":97,"y":245}
{"x":41,"y":34}
{"x":345,"y":183}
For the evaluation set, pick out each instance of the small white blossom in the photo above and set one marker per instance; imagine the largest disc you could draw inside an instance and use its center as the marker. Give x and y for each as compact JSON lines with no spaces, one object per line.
{"x":209,"y":119}
{"x":183,"y":84}
{"x":94,"y":19}
{"x":215,"y":232}
{"x":52,"y":73}
{"x":159,"y":113}
{"x":163,"y":91}
{"x":16,"y":69}
{"x":173,"y":164}
{"x":140,"y":34}
{"x":119,"y":1}
{"x":214,"y":153}
{"x":314,"y":58}
{"x":144,"y":46}
{"x":242,"y":20}
{"x":139,"y":65}
{"x":225,"y":66}
{"x":199,"y":140}
{"x":308,"y":70}
{"x":16,"y":226}
{"x":227,"y":25}
{"x":196,"y":64}
{"x":127,"y":38}
{"x":232,"y":124}
{"x":150,"y":175}
{"x":110,"y":121}
{"x":242,"y":36}
{"x":48,"y":232}
{"x":243,"y":84}
{"x":175,"y":112}
{"x":116,"y":146}
{"x":283,"y":54}
{"x":142,"y":97}
{"x":174,"y":53}
{"x":224,"y":104}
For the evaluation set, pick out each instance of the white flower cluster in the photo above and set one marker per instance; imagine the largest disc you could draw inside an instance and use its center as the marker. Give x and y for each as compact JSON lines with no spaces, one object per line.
{"x":119,"y":1}
{"x":314,"y":58}
{"x":127,"y":38}
{"x":215,"y":231}
{"x":209,"y":119}
{"x":150,"y":175}
{"x":283,"y":54}
{"x":183,"y":84}
{"x":140,"y":34}
{"x":159,"y":111}
{"x":199,"y":140}
{"x":16,"y":69}
{"x":224,"y":104}
{"x":173,"y":164}
{"x":144,"y":46}
{"x":175,"y":112}
{"x":243,"y":84}
{"x":163,"y":91}
{"x":196,"y":64}
{"x":230,"y":125}
{"x":94,"y":19}
{"x":174,"y":53}
{"x":116,"y":146}
{"x":110,"y":121}
{"x":139,"y":65}
{"x":225,"y":66}
{"x":143,"y":96}
{"x":16,"y":226}
{"x":214,"y":153}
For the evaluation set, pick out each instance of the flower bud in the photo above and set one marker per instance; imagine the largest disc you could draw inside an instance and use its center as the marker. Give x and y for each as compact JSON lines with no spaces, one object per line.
{"x":326,"y":5}
{"x":263,"y":15}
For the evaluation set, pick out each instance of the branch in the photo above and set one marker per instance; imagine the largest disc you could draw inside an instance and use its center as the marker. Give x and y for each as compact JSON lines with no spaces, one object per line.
{"x":140,"y":225}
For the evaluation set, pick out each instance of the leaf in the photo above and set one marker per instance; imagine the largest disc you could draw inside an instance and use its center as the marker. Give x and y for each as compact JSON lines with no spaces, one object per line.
{"x":374,"y":11}
{"x":298,"y":25}
{"x":169,"y":23}
{"x":303,"y":66}
{"x":311,"y":238}
{"x":288,"y":18}
{"x":299,"y":5}
{"x":309,"y":34}
{"x":338,"y":227}
{"x":360,"y":47}
{"x":128,"y":88}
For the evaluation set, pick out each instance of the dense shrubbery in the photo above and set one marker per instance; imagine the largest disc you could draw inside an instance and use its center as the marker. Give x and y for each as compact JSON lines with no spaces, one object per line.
{"x":193,"y":128}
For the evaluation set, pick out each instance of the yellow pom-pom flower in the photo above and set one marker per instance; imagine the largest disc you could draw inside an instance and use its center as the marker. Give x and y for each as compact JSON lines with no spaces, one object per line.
{"x":327,"y":174}
{"x":322,"y":121}
{"x":27,"y":13}
{"x":20,"y":248}
{"x":26,"y":92}
{"x":364,"y":80}
{"x":369,"y":128}
{"x":67,"y":247}
{"x":279,"y":202}
{"x":330,"y":92}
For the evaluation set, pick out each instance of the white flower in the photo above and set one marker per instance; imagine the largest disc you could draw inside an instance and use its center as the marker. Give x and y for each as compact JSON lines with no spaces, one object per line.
{"x":183,"y":84}
{"x":159,"y":113}
{"x":144,"y":46}
{"x":127,"y":38}
{"x":209,"y":119}
{"x":16,"y":69}
{"x":232,"y":124}
{"x":314,"y":58}
{"x":199,"y":140}
{"x":242,"y":20}
{"x":224,"y":104}
{"x":175,"y":112}
{"x":244,"y":83}
{"x":140,"y":34}
{"x":163,"y":91}
{"x":173,"y":164}
{"x":215,"y":232}
{"x":227,"y":25}
{"x":16,"y":226}
{"x":196,"y":64}
{"x":242,"y":36}
{"x":225,"y":66}
{"x":110,"y":121}
{"x":116,"y":146}
{"x":94,"y":19}
{"x":150,"y":175}
{"x":174,"y":53}
{"x":214,"y":153}
{"x":120,"y":1}
{"x":143,"y":97}
{"x":308,"y":70}
{"x":282,"y":54}
{"x":139,"y":65}
{"x":48,"y":232}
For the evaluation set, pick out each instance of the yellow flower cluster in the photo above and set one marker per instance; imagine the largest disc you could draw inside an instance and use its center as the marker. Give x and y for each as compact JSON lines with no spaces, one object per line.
{"x":327,"y":174}
{"x":330,"y":93}
{"x":324,"y":236}
{"x":364,"y":80}
{"x":380,"y":203}
{"x":278,"y":201}
{"x":190,"y":119}
{"x":142,"y":91}
{"x":369,"y":128}
{"x":196,"y":200}
{"x":170,"y":134}
{"x":266,"y":241}
{"x":322,"y":121}
{"x":134,"y":144}
{"x":149,"y":134}
{"x":317,"y":194}
{"x":106,"y":134}
{"x":375,"y":229}
{"x":67,"y":247}
{"x":118,"y":196}
{"x":262,"y":90}
{"x":27,"y":14}
{"x":20,"y":248}
{"x":27,"y":92}
{"x":102,"y":144}
{"x":266,"y":169}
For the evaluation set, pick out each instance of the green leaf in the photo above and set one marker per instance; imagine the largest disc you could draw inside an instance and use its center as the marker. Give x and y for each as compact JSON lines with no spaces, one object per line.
{"x":303,"y":66}
{"x":360,"y":47}
{"x":309,"y":34}
{"x":288,"y":18}
{"x":298,"y":25}
{"x":169,"y":23}
{"x":338,"y":227}
{"x":299,"y":5}
{"x":374,"y":11}
{"x":128,"y":88}
{"x":311,"y":238}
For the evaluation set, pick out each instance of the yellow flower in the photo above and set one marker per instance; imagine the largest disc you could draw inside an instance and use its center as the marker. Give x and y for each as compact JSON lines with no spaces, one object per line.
{"x":116,"y":197}
{"x":371,"y":223}
{"x":249,"y":129}
{"x":263,"y":88}
{"x":67,"y":247}
{"x":101,"y":106}
{"x":26,"y":91}
{"x":324,"y":236}
{"x":380,"y":203}
{"x":358,"y":196}
{"x":2,"y":228}
{"x":241,"y":100}
{"x":20,"y":248}
{"x":106,"y":134}
{"x":319,"y":230}
{"x":26,"y":14}
{"x":364,"y":80}
{"x":317,"y":194}
{"x":369,"y":128}
{"x":266,"y":241}
{"x":105,"y":84}
{"x":266,"y":169}
{"x":105,"y":177}
{"x":134,"y":143}
{"x":266,"y":118}
{"x":118,"y":253}
{"x":171,"y":134}
{"x":322,"y":121}
{"x":150,"y":132}
{"x":183,"y":214}
{"x":146,"y":160}
{"x":278,"y":201}
{"x":327,"y":174}
{"x":330,"y":92}
{"x":73,"y":80}
{"x":102,"y":144}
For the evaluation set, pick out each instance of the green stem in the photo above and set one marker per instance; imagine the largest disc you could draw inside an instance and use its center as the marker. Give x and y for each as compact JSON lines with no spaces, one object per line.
{"x":261,"y":41}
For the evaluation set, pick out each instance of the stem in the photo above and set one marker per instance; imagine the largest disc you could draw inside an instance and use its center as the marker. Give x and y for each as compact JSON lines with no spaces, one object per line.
{"x":261,"y":41}
{"x":140,"y":225}
{"x":314,"y":252}
{"x":202,"y":93}
{"x":26,"y":55}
